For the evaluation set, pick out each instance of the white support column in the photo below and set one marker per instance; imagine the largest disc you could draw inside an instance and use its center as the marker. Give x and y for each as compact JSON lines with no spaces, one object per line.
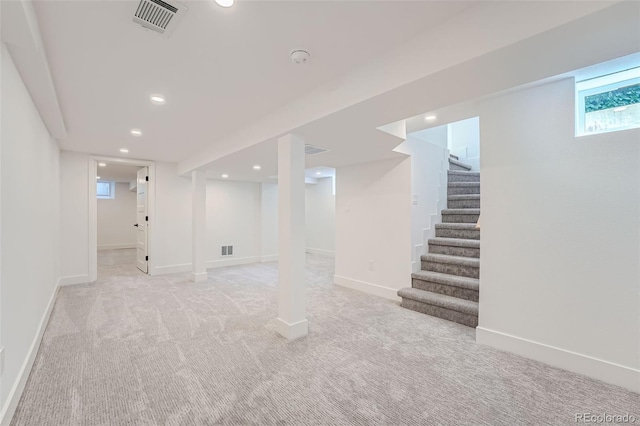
{"x":292,"y":321}
{"x":199,"y":225}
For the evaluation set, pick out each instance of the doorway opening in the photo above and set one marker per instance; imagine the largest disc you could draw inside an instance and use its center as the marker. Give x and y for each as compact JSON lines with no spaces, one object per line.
{"x":120,"y":216}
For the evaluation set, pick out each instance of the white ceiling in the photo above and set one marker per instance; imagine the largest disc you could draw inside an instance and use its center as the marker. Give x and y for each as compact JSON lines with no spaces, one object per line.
{"x":220,"y":70}
{"x":118,"y":172}
{"x":351,"y":133}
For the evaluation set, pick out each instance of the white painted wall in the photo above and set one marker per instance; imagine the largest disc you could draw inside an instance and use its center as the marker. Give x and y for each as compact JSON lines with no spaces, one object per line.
{"x":464,"y":141}
{"x":30,"y":237}
{"x":74,"y":219}
{"x":429,"y":166}
{"x":320,"y":206}
{"x":116,"y":217}
{"x":560,"y":280}
{"x":233,"y":218}
{"x":436,"y":135}
{"x":172,"y":239}
{"x":373,"y":223}
{"x":269,"y":222}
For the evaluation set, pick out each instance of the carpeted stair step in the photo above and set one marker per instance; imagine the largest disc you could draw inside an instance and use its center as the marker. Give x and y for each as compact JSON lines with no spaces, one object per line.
{"x":460,"y":188}
{"x":460,"y":215}
{"x":454,"y":265}
{"x":439,"y":305}
{"x":449,"y":285}
{"x":463,"y":176}
{"x":455,"y":247}
{"x":455,"y":164}
{"x":463,"y":201}
{"x":467,"y":231}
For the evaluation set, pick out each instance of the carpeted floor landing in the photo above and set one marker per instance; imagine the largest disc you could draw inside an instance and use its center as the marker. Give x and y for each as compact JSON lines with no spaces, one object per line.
{"x":138,"y":350}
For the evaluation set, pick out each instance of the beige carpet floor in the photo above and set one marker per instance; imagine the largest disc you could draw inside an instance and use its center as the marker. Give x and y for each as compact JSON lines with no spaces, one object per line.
{"x":138,"y":350}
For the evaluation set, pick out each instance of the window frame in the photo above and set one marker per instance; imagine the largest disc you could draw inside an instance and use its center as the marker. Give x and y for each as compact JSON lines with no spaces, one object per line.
{"x":112,"y":190}
{"x":602,"y":84}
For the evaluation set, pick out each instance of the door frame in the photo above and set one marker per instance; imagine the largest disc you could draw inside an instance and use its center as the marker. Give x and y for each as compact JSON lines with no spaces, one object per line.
{"x":93,"y":210}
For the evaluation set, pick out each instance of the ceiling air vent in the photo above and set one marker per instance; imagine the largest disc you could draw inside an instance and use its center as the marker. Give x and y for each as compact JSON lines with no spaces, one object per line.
{"x":159,"y":16}
{"x":312,"y":150}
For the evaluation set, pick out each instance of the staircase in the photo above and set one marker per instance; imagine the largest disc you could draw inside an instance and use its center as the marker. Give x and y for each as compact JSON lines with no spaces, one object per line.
{"x":447,"y":286}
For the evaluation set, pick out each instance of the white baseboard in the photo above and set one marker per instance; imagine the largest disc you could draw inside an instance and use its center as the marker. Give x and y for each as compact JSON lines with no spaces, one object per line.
{"x":386,"y":292}
{"x":117,"y":246}
{"x":73,"y":280}
{"x":15,"y":393}
{"x":171,"y":269}
{"x":199,"y":277}
{"x":269,"y":258}
{"x":186,"y":267}
{"x":599,"y":369}
{"x":292,"y":331}
{"x":232,"y":261}
{"x":320,"y":252}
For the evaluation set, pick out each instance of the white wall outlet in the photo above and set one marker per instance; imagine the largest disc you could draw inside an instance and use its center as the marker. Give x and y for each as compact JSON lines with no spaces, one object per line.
{"x":1,"y":361}
{"x":415,"y":200}
{"x":371,"y":265}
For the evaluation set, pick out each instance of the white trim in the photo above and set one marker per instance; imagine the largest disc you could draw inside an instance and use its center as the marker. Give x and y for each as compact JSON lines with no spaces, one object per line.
{"x":599,"y":369}
{"x":269,"y":258}
{"x":211,"y":264}
{"x":321,"y":252}
{"x":73,"y":280}
{"x":231,"y":261}
{"x":199,"y":277}
{"x":377,"y":290}
{"x":117,"y":246}
{"x":15,"y":393}
{"x":172,"y":269}
{"x":93,"y":210}
{"x":292,"y":331}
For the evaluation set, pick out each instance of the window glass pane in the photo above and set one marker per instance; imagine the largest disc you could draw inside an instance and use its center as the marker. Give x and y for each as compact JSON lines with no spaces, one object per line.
{"x":615,"y":109}
{"x":104,"y":189}
{"x":608,"y":103}
{"x":623,"y":96}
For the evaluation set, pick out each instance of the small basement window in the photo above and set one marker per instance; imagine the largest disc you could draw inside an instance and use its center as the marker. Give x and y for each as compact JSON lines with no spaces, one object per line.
{"x":608,"y":103}
{"x":105,"y":189}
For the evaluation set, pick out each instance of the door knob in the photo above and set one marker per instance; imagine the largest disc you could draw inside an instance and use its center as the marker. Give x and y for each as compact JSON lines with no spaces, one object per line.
{"x":135,"y":224}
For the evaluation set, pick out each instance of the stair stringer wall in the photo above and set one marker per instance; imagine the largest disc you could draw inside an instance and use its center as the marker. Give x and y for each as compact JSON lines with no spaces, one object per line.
{"x":440,"y":203}
{"x":429,"y":166}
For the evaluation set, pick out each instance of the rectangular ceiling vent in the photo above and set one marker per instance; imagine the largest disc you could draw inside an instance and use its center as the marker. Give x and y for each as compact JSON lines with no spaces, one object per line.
{"x":312,"y":150}
{"x":159,"y":16}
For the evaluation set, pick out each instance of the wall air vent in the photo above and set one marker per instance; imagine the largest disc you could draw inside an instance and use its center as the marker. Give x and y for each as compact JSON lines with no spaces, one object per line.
{"x":312,"y":150}
{"x":159,"y":16}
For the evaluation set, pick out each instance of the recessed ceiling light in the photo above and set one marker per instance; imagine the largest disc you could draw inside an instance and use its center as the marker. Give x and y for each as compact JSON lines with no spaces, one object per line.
{"x":157,"y":99}
{"x":430,"y":117}
{"x":225,"y":3}
{"x":124,"y":150}
{"x":318,"y":173}
{"x":102,"y":164}
{"x":225,"y":176}
{"x":257,"y":167}
{"x":136,"y":132}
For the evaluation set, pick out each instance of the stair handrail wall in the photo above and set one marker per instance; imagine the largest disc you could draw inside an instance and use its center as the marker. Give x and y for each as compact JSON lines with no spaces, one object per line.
{"x":429,"y":167}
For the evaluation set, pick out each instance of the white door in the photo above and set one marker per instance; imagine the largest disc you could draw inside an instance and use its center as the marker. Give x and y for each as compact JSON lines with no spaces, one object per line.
{"x":143,"y":219}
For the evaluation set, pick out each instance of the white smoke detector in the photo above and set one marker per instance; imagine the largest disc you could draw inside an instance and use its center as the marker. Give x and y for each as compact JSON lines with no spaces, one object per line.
{"x":300,"y":56}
